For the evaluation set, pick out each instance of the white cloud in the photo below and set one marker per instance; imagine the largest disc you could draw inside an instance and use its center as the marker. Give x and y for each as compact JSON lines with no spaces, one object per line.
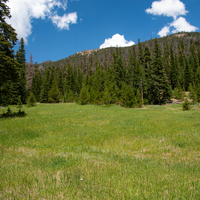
{"x":182,"y":25}
{"x":164,"y":31}
{"x":64,"y":21}
{"x":179,"y":25}
{"x":169,"y":8}
{"x":116,"y":40}
{"x":23,"y":11}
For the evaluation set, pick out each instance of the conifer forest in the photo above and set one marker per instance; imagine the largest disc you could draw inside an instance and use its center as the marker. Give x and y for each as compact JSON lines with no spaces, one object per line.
{"x":146,"y":73}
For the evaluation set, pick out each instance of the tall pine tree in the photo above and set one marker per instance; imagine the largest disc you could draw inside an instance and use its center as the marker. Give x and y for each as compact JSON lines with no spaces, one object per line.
{"x":9,"y":71}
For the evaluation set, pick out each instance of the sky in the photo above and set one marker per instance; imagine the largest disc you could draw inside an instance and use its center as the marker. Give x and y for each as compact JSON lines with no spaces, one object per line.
{"x":56,"y":29}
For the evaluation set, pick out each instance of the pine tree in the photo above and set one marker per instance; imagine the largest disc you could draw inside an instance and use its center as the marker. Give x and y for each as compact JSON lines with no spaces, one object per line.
{"x":127,"y":96}
{"x":181,"y":66}
{"x":20,"y":56}
{"x":141,"y":55}
{"x":31,"y":100}
{"x":139,"y":101}
{"x":166,"y":60}
{"x":188,"y":75}
{"x":60,"y":82}
{"x":45,"y":87}
{"x":36,"y":85}
{"x":173,"y":70}
{"x":84,"y":94}
{"x":160,"y":90}
{"x":120,"y":69}
{"x":106,"y":99}
{"x":111,"y":86}
{"x":9,"y":71}
{"x":54,"y":93}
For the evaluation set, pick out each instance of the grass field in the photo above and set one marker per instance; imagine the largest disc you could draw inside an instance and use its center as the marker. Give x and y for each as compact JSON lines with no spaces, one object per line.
{"x":68,"y":151}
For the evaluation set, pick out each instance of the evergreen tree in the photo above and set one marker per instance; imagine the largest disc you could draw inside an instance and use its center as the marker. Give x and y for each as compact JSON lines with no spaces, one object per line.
{"x":54,"y":93}
{"x":70,"y":97}
{"x":188,"y":75}
{"x":60,"y":82}
{"x":193,"y":95}
{"x":45,"y":87}
{"x":20,"y":56}
{"x":110,"y":85}
{"x":193,"y":60}
{"x":141,"y":55}
{"x":84,"y":95}
{"x":120,"y":69}
{"x":127,"y":96}
{"x":173,"y":70}
{"x":166,"y":60}
{"x":36,"y":85}
{"x":106,"y":99}
{"x":160,"y":90}
{"x":181,"y":66}
{"x":139,"y":101}
{"x":31,"y":100}
{"x":130,"y":75}
{"x":9,"y":71}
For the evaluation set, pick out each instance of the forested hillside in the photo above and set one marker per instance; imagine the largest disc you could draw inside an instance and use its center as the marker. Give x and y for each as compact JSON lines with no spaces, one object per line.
{"x":146,"y":73}
{"x":151,"y":72}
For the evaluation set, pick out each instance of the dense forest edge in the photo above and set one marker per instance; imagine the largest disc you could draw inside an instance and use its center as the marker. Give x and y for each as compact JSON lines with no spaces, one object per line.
{"x":151,"y":72}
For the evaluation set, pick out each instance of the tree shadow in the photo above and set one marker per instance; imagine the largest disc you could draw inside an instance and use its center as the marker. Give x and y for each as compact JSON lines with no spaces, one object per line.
{"x":10,"y":114}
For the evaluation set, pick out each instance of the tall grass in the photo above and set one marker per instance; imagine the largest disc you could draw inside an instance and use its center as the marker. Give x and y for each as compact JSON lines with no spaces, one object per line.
{"x":68,"y":151}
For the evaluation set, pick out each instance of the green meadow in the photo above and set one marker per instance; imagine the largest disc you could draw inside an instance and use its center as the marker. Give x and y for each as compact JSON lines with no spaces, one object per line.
{"x":68,"y":151}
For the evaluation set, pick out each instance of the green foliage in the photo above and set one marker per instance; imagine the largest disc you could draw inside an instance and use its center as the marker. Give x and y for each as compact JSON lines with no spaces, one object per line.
{"x":45,"y":87}
{"x":139,"y":102}
{"x":159,"y":89}
{"x":84,"y":95}
{"x":127,"y":96}
{"x":54,"y":94}
{"x":20,"y":56}
{"x":9,"y":70}
{"x":106,"y":99}
{"x":70,"y":97}
{"x":178,"y":92}
{"x":36,"y":84}
{"x":19,"y":104}
{"x":31,"y":100}
{"x":192,"y":93}
{"x":186,"y":105}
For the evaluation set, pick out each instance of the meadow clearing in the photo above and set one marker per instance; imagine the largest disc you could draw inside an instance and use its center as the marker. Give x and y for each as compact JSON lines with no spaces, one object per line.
{"x":68,"y":151}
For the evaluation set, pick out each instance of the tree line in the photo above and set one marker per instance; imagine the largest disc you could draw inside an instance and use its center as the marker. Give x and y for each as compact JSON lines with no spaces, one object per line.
{"x":146,"y":78}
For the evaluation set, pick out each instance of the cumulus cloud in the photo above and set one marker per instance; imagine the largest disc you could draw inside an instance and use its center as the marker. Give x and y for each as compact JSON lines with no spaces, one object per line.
{"x":116,"y":40}
{"x":169,"y":8}
{"x":182,"y":25}
{"x":164,"y":31}
{"x":64,"y":21}
{"x":23,"y":11}
{"x":178,"y":25}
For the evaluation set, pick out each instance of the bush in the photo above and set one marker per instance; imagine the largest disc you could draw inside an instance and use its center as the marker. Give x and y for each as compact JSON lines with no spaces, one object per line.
{"x":19,"y":104}
{"x":186,"y":105}
{"x":31,"y":100}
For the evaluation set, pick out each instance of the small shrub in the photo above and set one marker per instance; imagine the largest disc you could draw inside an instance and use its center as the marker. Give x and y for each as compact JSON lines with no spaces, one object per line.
{"x":186,"y":105}
{"x":31,"y":100}
{"x":19,"y":104}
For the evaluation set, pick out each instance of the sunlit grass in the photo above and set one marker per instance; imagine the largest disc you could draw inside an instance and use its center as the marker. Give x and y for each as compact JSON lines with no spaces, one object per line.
{"x":68,"y":151}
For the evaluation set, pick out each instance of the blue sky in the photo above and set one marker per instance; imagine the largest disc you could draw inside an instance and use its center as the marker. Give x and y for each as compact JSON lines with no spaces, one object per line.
{"x":56,"y":29}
